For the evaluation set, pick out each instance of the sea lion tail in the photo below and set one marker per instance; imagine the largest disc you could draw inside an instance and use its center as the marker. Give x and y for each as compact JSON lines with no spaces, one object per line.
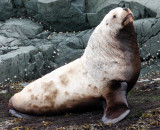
{"x":15,"y":113}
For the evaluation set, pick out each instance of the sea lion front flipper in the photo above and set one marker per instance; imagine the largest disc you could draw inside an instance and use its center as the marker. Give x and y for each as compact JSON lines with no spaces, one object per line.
{"x":117,"y":106}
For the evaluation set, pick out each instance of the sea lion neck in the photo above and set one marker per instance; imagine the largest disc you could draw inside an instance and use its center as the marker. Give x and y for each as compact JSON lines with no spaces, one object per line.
{"x":127,"y":35}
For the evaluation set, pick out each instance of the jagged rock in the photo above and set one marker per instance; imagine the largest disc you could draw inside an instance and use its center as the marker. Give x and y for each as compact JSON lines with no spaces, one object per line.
{"x":9,"y":42}
{"x":43,"y":35}
{"x":74,"y":15}
{"x":63,"y":15}
{"x":6,"y":10}
{"x":31,"y":7}
{"x":84,"y":36}
{"x":151,"y":6}
{"x":1,"y":23}
{"x":23,"y":29}
{"x":69,"y":48}
{"x":13,"y":64}
{"x":96,"y":10}
{"x":26,"y":63}
{"x":148,"y":33}
{"x":18,"y":3}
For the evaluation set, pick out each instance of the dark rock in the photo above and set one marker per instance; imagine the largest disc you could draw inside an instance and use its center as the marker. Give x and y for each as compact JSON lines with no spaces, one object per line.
{"x":74,"y":15}
{"x":20,"y":28}
{"x":84,"y":36}
{"x":18,"y":3}
{"x":96,"y":10}
{"x":66,"y":54}
{"x":148,"y":33}
{"x":8,"y":42}
{"x":13,"y":64}
{"x":62,"y":15}
{"x":31,"y":7}
{"x":43,"y":35}
{"x":6,"y":10}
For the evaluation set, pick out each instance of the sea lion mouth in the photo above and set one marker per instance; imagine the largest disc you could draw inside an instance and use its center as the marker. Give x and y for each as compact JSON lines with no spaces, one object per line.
{"x":125,"y":22}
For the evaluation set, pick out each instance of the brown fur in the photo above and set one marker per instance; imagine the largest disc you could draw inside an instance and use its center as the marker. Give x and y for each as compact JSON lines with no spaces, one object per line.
{"x":48,"y":85}
{"x":64,"y":80}
{"x":66,"y":93}
{"x":128,"y":42}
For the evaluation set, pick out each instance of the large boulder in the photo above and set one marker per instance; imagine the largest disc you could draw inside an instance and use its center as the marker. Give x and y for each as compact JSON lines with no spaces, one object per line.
{"x":74,"y":15}
{"x":96,"y":10}
{"x":13,"y":64}
{"x":6,"y":10}
{"x":148,"y":35}
{"x":63,"y":15}
{"x":25,"y":63}
{"x":20,"y":28}
{"x":31,"y":7}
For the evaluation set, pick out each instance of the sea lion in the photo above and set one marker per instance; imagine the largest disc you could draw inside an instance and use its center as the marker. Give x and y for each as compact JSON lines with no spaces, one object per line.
{"x":108,"y":69}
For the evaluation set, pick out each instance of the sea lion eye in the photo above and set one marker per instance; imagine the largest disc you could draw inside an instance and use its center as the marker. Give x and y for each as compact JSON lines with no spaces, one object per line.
{"x":115,"y":16}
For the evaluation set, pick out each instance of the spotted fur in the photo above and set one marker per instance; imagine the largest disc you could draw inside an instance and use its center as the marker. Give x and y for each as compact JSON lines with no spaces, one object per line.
{"x":107,"y":70}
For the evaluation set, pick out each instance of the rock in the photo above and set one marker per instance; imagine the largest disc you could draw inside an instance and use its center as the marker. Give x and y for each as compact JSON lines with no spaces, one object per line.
{"x":150,"y":68}
{"x":3,"y":92}
{"x":74,"y":42}
{"x":84,"y":36}
{"x":139,"y":8}
{"x":6,"y":10}
{"x":96,"y":10}
{"x":31,"y":7}
{"x":24,"y":84}
{"x":5,"y":42}
{"x":152,"y":7}
{"x":26,"y":63}
{"x":62,"y":15}
{"x":66,"y":52}
{"x":148,"y":33}
{"x":47,"y":51}
{"x":75,"y":15}
{"x":13,"y":64}
{"x":20,"y":28}
{"x":18,"y":3}
{"x":1,"y":23}
{"x":15,"y":42}
{"x":43,"y":35}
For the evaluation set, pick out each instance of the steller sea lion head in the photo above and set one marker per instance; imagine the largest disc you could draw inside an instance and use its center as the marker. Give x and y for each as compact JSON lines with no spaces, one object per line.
{"x":117,"y":18}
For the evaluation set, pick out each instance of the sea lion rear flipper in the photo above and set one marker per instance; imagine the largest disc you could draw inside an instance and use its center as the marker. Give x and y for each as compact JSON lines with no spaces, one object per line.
{"x":117,"y":106}
{"x":18,"y":114}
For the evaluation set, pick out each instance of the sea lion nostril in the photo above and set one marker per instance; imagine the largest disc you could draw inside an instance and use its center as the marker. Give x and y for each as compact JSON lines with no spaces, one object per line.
{"x":126,"y":9}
